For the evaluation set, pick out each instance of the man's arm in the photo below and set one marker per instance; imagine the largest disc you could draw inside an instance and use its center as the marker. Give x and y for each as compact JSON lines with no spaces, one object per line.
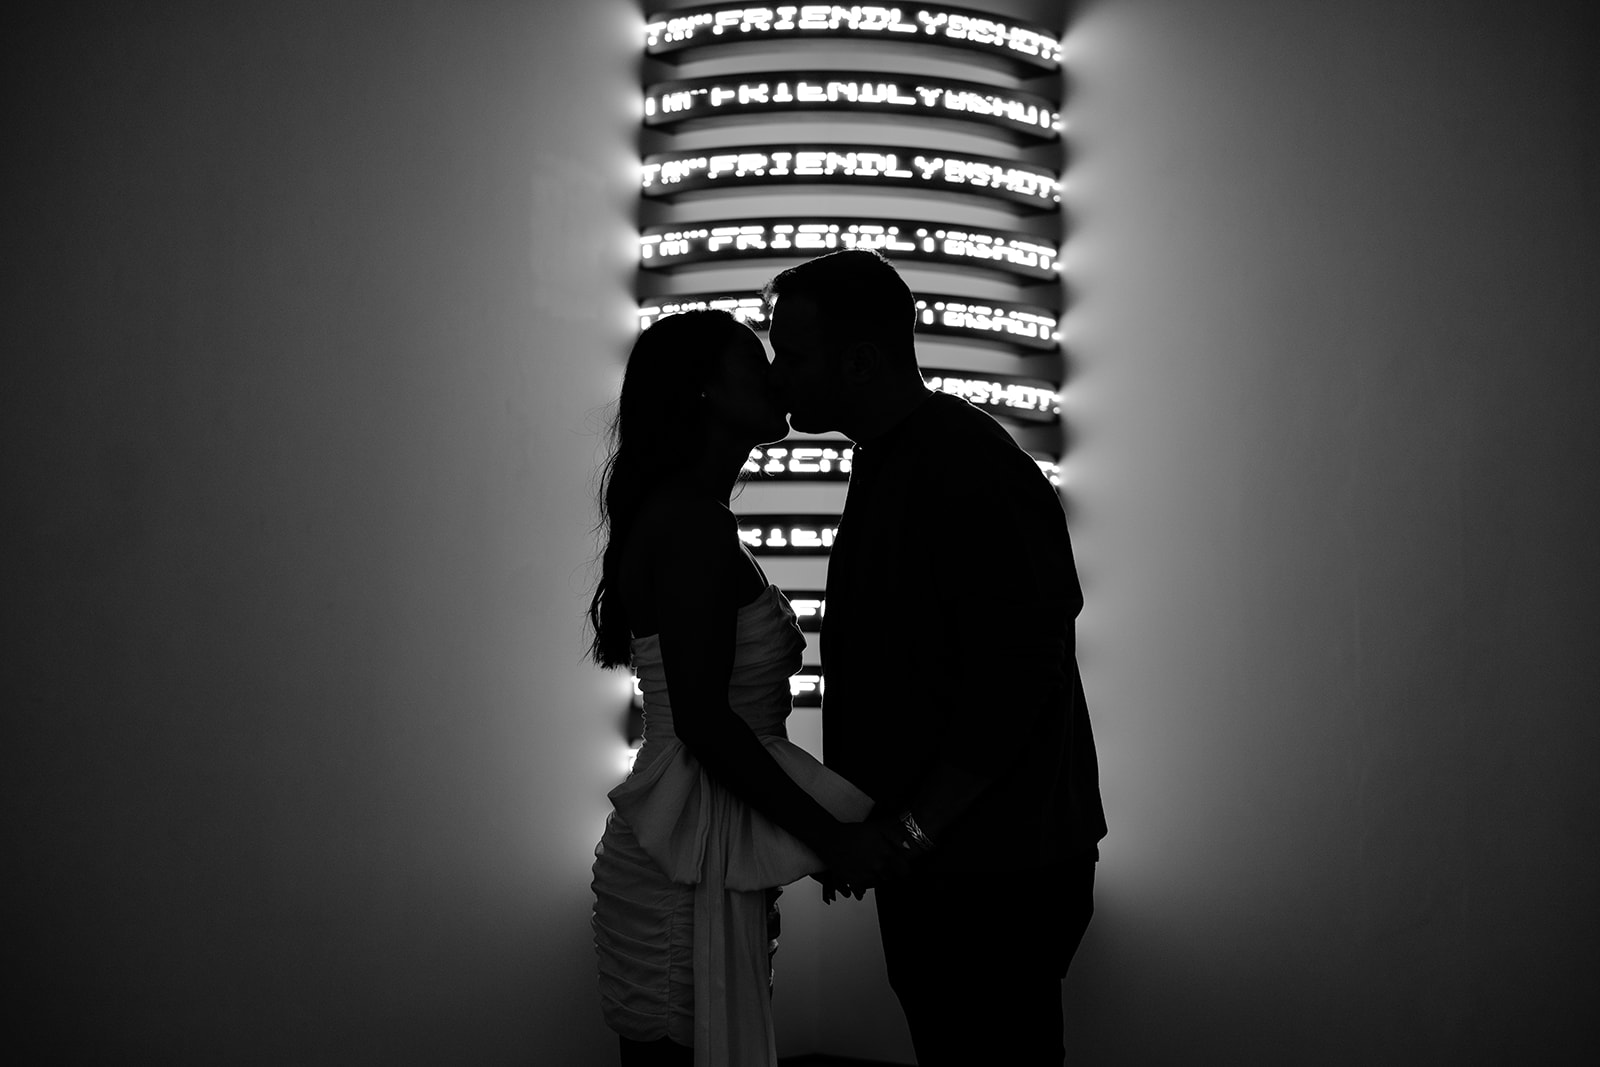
{"x":946,"y":792}
{"x":1007,"y":637}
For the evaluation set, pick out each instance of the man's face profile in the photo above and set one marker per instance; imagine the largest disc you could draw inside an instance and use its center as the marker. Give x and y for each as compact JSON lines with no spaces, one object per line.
{"x":804,"y":367}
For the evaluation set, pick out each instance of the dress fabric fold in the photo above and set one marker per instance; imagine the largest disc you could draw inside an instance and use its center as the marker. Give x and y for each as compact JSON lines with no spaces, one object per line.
{"x":681,"y":873}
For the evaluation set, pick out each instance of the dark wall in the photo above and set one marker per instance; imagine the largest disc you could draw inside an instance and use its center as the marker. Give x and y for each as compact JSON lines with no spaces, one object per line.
{"x":1334,"y":463}
{"x":310,"y":313}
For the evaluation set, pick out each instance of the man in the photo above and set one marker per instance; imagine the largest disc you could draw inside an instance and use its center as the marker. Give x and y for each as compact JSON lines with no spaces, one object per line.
{"x":953,"y":695}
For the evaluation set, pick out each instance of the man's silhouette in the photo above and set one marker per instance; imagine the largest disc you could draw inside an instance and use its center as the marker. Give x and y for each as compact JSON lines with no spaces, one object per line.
{"x":953,"y":695}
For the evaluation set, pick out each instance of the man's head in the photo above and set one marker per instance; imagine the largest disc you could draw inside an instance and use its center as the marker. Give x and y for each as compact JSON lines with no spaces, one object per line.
{"x":841,"y":339}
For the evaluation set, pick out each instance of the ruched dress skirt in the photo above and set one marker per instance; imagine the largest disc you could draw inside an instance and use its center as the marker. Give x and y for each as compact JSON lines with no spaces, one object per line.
{"x":684,"y":871}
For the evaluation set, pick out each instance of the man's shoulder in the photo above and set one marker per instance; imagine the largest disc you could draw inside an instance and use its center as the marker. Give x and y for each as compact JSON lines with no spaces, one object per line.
{"x":962,"y":437}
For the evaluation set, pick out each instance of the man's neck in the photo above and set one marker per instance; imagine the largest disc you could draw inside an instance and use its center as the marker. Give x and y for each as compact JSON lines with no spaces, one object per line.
{"x":888,"y":411}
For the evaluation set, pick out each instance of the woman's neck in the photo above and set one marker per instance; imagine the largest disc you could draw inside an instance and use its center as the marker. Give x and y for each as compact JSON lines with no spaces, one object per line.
{"x":716,"y":472}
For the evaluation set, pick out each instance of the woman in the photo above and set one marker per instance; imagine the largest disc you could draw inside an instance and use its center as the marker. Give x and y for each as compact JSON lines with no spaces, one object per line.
{"x":720,"y":807}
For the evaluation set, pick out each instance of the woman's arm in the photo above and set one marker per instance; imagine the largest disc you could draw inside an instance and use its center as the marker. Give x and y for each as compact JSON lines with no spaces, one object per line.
{"x":696,"y":594}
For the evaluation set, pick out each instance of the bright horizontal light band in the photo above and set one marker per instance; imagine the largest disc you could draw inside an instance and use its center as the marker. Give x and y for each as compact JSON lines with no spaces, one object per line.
{"x":1048,"y":467}
{"x":668,"y":103}
{"x":1022,"y":325}
{"x":806,"y":688}
{"x":809,"y":607}
{"x":668,"y":173}
{"x":749,"y":309}
{"x":805,"y":691}
{"x":665,"y":247}
{"x":801,"y":460}
{"x":1001,"y":395}
{"x":789,"y":535}
{"x":953,"y":27}
{"x":992,"y":320}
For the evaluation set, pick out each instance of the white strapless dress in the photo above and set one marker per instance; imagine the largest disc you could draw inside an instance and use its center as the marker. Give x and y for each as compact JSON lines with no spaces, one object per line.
{"x":681,"y":873}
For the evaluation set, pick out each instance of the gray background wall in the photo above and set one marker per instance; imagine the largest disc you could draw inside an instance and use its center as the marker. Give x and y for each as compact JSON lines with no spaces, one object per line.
{"x":310,"y":314}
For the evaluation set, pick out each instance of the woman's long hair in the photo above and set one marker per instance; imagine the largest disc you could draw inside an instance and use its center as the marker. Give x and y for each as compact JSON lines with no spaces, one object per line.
{"x":659,"y":427}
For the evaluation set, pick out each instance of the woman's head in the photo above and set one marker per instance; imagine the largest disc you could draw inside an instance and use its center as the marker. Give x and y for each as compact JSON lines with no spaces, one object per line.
{"x":695,"y":380}
{"x":692,"y":377}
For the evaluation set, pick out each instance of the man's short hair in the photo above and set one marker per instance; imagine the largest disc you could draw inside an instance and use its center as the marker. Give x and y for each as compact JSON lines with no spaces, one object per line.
{"x":859,"y":296}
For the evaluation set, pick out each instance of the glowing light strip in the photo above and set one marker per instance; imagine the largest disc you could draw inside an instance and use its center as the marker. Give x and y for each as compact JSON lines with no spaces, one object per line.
{"x":665,"y":247}
{"x":805,"y":689}
{"x":749,"y":309}
{"x":789,"y":535}
{"x":1048,"y":467}
{"x":954,"y":27}
{"x":802,"y":460}
{"x":1023,"y":325}
{"x":1002,"y":395}
{"x":809,"y":607}
{"x":668,"y":173}
{"x":992,"y":320}
{"x":669,"y":103}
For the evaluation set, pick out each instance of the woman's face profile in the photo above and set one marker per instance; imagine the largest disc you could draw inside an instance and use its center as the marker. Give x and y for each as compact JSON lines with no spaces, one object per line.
{"x":742,"y":394}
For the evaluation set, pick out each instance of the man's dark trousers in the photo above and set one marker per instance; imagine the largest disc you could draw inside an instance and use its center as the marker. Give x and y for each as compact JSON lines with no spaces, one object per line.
{"x":977,"y":961}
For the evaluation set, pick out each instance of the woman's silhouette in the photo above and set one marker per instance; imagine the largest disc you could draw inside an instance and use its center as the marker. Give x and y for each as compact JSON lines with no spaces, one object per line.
{"x":720,"y":808}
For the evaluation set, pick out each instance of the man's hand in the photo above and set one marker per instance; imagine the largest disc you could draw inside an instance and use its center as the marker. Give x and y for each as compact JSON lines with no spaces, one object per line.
{"x":863,"y":854}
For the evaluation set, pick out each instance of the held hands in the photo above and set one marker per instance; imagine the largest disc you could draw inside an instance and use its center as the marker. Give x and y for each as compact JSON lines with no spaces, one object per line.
{"x":865,"y":853}
{"x":831,"y":888}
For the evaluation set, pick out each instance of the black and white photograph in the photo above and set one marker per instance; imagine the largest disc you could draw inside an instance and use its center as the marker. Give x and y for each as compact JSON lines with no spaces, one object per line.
{"x":696,"y":533}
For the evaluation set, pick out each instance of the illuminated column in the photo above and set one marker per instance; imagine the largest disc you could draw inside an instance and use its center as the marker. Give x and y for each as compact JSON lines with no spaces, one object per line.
{"x":772,"y":134}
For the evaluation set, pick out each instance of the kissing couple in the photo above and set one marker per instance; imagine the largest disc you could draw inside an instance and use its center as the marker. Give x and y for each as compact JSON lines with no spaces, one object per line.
{"x":959,"y":779}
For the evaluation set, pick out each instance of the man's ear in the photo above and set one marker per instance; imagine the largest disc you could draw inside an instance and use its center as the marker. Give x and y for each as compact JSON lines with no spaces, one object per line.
{"x":861,"y":362}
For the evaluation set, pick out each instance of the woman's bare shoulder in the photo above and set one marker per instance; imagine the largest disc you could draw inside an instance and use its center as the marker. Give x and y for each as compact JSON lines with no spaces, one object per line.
{"x":669,"y":515}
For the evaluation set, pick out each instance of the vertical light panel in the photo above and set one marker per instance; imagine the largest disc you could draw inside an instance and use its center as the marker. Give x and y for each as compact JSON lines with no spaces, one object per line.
{"x":772,"y":134}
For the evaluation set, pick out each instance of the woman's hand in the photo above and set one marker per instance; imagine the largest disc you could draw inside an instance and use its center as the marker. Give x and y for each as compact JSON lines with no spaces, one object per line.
{"x":862,"y":854}
{"x":832,"y":887}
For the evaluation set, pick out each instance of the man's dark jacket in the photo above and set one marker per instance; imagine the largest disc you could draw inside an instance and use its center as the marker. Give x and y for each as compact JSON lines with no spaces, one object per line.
{"x":949,"y":635}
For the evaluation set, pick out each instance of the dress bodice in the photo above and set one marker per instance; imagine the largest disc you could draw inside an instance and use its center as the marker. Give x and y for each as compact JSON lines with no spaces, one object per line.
{"x":769,"y":649}
{"x":675,"y":807}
